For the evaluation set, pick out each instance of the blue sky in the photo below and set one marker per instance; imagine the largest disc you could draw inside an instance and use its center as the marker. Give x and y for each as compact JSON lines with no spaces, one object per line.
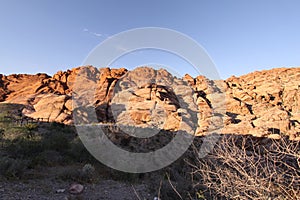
{"x":240,"y":36}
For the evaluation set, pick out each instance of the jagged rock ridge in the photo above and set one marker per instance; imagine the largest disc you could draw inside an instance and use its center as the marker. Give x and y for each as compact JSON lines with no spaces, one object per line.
{"x":265,"y":103}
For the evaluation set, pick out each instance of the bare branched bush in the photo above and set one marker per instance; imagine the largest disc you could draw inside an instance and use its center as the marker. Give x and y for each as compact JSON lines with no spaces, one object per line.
{"x":244,"y":167}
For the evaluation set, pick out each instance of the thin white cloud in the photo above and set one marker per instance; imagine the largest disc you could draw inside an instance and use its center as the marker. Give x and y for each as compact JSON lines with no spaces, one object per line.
{"x":94,"y":33}
{"x":121,"y":48}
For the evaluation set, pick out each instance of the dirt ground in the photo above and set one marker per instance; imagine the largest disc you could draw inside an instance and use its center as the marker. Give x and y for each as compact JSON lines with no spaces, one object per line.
{"x":45,"y":186}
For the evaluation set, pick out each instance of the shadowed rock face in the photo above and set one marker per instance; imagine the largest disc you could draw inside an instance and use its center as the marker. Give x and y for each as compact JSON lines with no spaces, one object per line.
{"x":265,"y":103}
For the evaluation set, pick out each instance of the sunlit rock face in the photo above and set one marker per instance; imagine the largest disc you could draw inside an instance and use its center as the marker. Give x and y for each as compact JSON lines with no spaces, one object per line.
{"x":265,"y":103}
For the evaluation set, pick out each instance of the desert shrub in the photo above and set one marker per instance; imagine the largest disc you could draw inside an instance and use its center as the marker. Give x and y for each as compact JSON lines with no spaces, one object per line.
{"x":2,"y":133}
{"x":61,"y":128}
{"x":87,"y":174}
{"x":23,"y":147}
{"x":4,"y":123}
{"x":172,"y":186}
{"x":56,"y":125}
{"x":78,"y":153}
{"x":49,"y":149}
{"x":12,"y":168}
{"x":57,"y":142}
{"x":15,"y":132}
{"x":47,"y":158}
{"x":30,"y":128}
{"x":173,"y":182}
{"x":244,"y":167}
{"x":70,"y":175}
{"x":39,"y":148}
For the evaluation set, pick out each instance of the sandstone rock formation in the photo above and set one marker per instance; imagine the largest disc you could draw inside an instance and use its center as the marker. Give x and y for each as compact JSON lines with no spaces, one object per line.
{"x":273,"y":100}
{"x":265,"y":103}
{"x":148,"y":97}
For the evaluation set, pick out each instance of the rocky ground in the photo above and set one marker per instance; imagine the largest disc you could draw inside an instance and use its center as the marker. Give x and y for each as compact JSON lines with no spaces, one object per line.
{"x":43,"y":184}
